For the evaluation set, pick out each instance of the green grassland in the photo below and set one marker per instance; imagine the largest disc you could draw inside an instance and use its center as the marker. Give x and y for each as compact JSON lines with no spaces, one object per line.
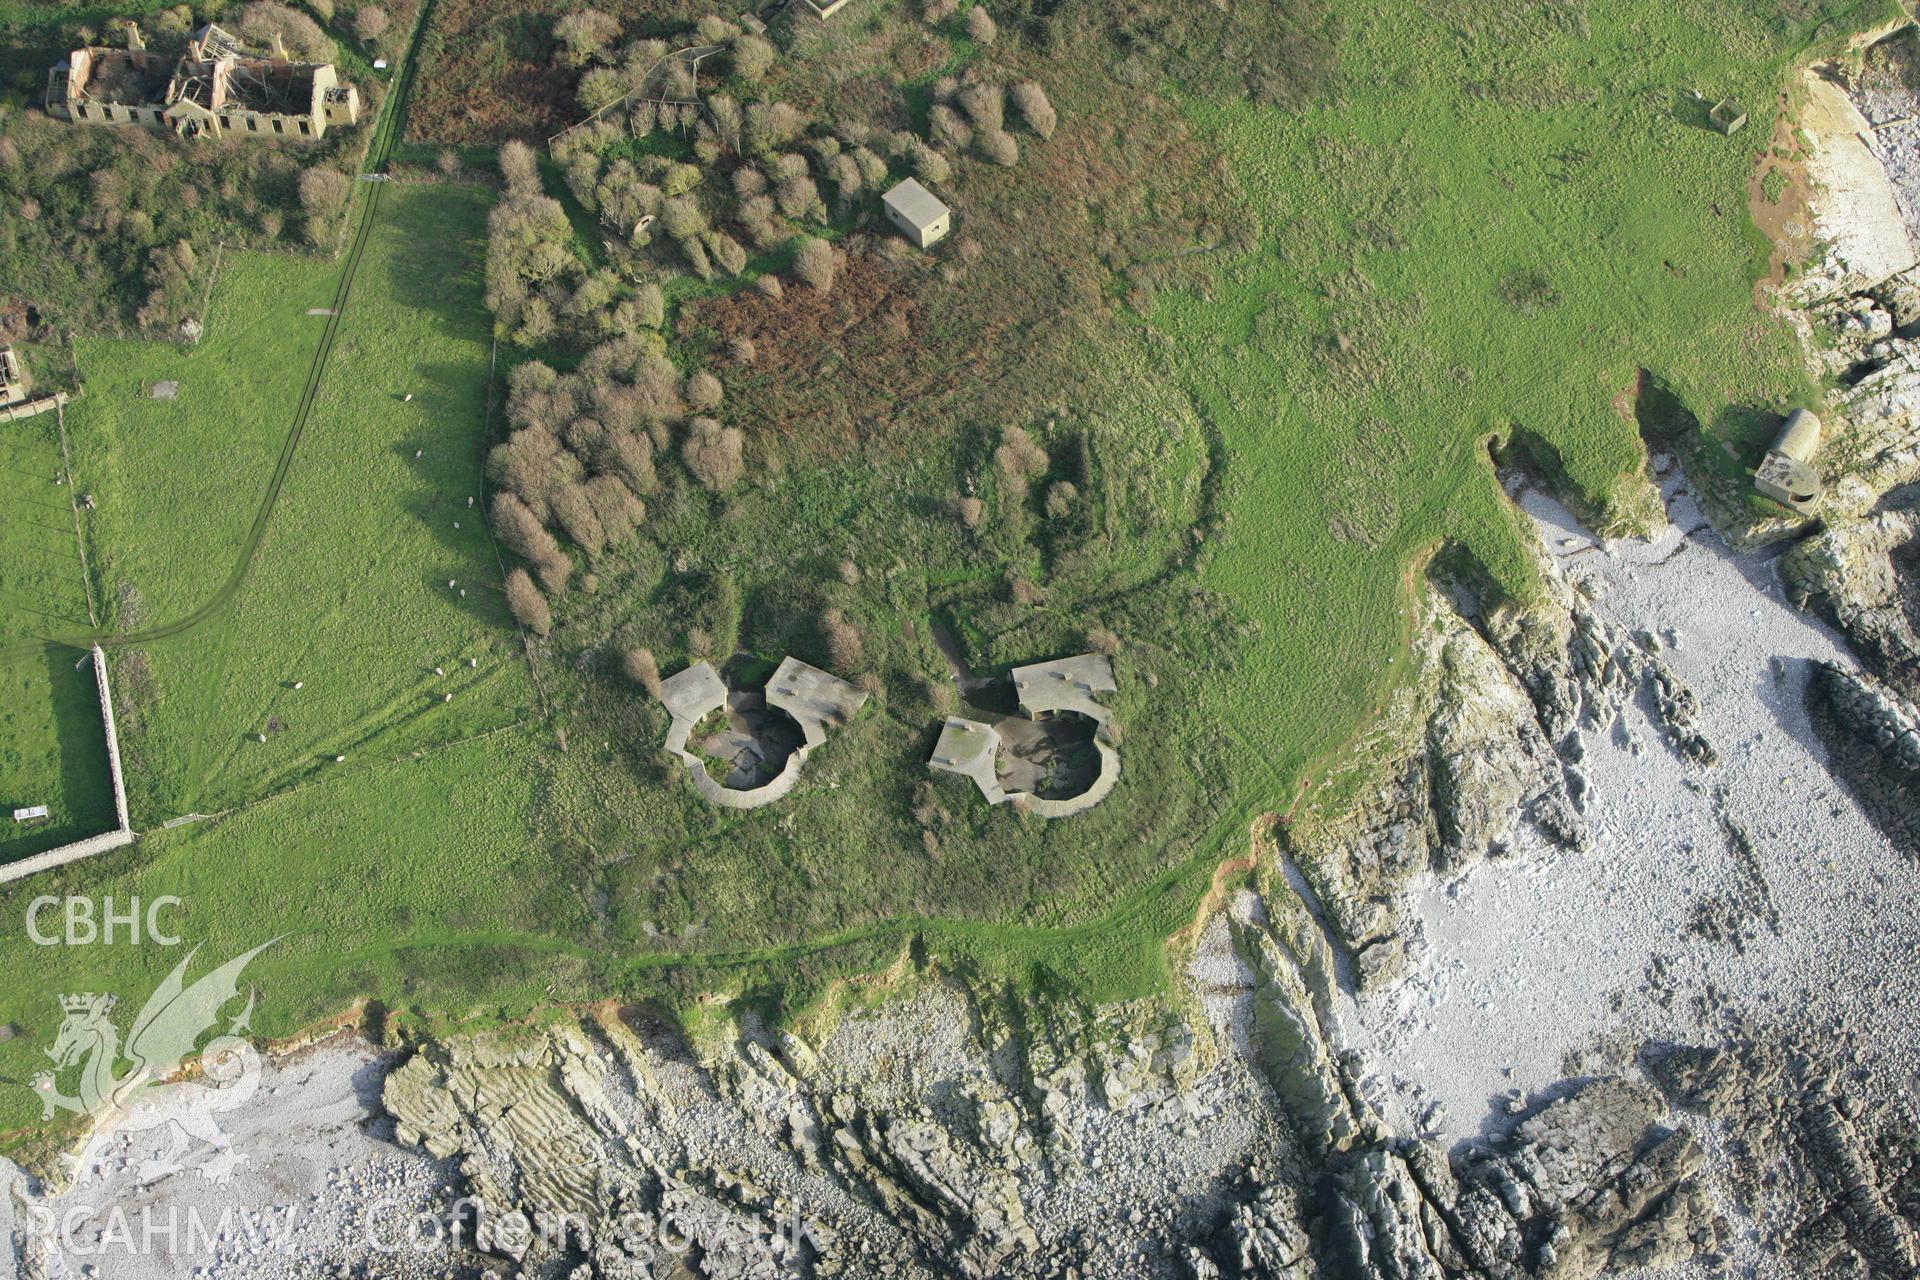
{"x":1494,"y":247}
{"x":1270,"y":340}
{"x":52,"y":744}
{"x":348,"y":591}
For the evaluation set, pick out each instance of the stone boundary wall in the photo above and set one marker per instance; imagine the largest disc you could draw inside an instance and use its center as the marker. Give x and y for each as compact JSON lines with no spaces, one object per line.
{"x":122,"y":834}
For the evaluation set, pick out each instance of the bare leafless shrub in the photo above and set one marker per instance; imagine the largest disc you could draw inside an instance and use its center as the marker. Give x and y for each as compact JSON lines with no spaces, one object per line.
{"x":928,"y":164}
{"x":650,"y":306}
{"x":370,"y":22}
{"x":1019,"y":458}
{"x":527,"y":604}
{"x":520,"y":531}
{"x":726,"y":252}
{"x":584,"y":33}
{"x":699,"y":261}
{"x":574,"y":510}
{"x":682,"y":218}
{"x":702,"y":392}
{"x":714,"y":454}
{"x":554,"y":571}
{"x":985,"y":105}
{"x":873,"y":170}
{"x":531,"y":463}
{"x":1101,"y":640}
{"x":770,"y":127}
{"x":323,"y":191}
{"x":619,"y":512}
{"x":844,"y":172}
{"x":797,"y":197}
{"x":999,"y":146}
{"x":980,"y":25}
{"x":947,"y":128}
{"x":1031,"y":102}
{"x":641,"y":668}
{"x":970,"y":510}
{"x":656,"y":386}
{"x":845,"y":642}
{"x":752,"y":57}
{"x":815,"y":263}
{"x":629,"y":455}
{"x":601,"y":87}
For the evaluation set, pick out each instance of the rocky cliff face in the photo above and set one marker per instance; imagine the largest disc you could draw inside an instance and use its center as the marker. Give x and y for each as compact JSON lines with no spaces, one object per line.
{"x":1502,"y":704}
{"x":930,"y":1139}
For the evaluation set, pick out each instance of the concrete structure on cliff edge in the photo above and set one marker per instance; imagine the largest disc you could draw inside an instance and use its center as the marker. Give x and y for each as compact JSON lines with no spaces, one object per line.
{"x":1047,"y":690}
{"x":216,"y":88}
{"x":811,"y":699}
{"x":1787,"y":474}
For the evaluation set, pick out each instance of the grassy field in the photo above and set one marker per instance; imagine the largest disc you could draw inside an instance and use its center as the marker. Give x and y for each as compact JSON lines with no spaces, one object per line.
{"x":1268,"y":331}
{"x":52,"y":744}
{"x":363,"y":898}
{"x":1492,"y":248}
{"x":348,"y":594}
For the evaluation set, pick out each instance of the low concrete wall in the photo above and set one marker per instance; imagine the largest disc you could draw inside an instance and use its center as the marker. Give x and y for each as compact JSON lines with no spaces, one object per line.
{"x":28,"y":408}
{"x":64,"y":854}
{"x":122,"y":834}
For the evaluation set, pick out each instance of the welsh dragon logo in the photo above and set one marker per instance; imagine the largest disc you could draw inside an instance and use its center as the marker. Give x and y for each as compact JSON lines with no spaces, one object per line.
{"x":162,"y":1037}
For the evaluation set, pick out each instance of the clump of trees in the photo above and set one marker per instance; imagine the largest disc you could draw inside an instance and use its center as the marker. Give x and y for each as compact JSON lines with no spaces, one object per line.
{"x":581,"y":458}
{"x":530,"y":257}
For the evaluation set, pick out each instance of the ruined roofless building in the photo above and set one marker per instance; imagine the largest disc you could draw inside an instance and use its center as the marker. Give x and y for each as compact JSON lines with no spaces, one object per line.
{"x":216,"y":88}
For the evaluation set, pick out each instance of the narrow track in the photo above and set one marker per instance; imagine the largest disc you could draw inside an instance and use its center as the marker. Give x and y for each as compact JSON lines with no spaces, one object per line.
{"x":379,"y":152}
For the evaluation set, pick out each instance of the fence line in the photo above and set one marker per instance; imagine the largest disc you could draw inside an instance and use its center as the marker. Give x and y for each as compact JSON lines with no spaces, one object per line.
{"x":73,"y":500}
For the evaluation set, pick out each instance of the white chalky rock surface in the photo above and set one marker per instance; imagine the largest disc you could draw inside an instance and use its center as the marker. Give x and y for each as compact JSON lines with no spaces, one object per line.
{"x":1551,"y":963}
